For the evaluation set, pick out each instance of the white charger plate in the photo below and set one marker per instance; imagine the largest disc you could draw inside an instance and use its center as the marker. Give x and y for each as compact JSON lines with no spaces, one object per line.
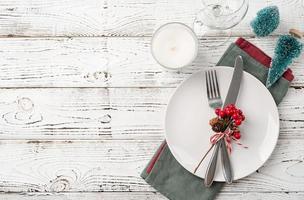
{"x":188,"y":131}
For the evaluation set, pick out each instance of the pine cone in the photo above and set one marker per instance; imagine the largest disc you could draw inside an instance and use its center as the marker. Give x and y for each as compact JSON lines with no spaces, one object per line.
{"x":213,"y":121}
{"x":217,"y":124}
{"x":217,"y":127}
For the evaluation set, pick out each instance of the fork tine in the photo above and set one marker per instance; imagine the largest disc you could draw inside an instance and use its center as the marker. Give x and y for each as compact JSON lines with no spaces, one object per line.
{"x":210,"y":85}
{"x":216,"y":84}
{"x":213,"y":84}
{"x":207,"y":84}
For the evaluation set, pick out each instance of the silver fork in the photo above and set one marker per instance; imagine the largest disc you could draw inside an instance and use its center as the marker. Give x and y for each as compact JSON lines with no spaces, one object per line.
{"x":214,"y":101}
{"x":213,"y":92}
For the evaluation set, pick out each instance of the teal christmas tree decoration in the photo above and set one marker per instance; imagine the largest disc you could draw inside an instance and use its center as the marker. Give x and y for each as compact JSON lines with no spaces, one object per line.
{"x":287,"y":48}
{"x":266,"y":21}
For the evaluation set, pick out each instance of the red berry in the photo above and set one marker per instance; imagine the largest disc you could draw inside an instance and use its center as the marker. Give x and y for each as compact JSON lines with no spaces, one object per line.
{"x":228,"y":111}
{"x":236,"y":111}
{"x":243,"y":117}
{"x":240,"y":112}
{"x":217,"y":111}
{"x":222,"y":114}
{"x":237,"y":135}
{"x":235,"y":116}
{"x":238,"y":122}
{"x":232,"y":110}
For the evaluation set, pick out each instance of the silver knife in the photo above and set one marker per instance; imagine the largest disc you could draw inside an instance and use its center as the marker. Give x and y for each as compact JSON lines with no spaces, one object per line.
{"x":231,"y":97}
{"x":235,"y":83}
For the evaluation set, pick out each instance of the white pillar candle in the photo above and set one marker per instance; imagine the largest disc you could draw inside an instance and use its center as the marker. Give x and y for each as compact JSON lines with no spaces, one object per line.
{"x":174,"y":45}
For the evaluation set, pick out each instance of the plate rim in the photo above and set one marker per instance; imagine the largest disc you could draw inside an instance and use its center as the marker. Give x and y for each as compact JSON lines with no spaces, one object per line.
{"x":230,"y":68}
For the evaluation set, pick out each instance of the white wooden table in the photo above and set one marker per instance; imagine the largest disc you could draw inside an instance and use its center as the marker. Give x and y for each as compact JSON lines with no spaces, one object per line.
{"x":82,"y":100}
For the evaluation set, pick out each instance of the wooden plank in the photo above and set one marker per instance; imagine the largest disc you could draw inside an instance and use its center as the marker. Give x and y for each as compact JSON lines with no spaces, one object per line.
{"x":120,"y":17}
{"x":107,"y":113}
{"x":105,"y":62}
{"x":70,"y":112}
{"x":89,"y":196}
{"x":87,"y":165}
{"x":145,"y":196}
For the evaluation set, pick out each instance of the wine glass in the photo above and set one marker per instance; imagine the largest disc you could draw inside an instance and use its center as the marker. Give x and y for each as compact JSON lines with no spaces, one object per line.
{"x":217,"y":17}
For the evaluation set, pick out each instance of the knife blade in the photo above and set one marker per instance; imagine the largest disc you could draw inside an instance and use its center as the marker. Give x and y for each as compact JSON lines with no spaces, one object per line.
{"x":231,"y":98}
{"x":235,"y":83}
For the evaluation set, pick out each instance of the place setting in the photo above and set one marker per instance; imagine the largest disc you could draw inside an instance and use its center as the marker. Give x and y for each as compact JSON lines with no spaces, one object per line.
{"x":241,"y":118}
{"x":222,"y":123}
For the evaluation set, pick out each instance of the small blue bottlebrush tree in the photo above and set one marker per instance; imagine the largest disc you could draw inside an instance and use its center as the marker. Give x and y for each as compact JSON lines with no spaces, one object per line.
{"x":266,"y":21}
{"x":287,"y":48}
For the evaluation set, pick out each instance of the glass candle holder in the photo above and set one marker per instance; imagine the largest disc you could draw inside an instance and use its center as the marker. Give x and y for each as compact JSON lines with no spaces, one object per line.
{"x":174,"y":45}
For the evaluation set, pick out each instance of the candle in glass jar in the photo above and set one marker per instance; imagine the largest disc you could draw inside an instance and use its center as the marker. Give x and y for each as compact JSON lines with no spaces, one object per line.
{"x":174,"y":45}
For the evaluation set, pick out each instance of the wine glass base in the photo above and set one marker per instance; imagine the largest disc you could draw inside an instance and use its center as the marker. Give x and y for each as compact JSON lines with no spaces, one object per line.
{"x":217,"y":37}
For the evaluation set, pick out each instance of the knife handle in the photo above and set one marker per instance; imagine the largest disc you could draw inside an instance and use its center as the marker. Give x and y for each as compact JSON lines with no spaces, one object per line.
{"x":209,"y":176}
{"x":227,"y":170}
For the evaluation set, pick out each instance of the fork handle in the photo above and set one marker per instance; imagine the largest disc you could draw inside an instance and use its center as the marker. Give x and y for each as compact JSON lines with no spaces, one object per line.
{"x":209,"y":176}
{"x":227,"y":170}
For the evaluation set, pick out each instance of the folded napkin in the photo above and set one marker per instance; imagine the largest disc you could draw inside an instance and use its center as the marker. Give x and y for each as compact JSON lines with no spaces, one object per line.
{"x":166,"y":175}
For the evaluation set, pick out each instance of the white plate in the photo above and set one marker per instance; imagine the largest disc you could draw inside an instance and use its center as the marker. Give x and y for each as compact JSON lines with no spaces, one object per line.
{"x":188,"y":132}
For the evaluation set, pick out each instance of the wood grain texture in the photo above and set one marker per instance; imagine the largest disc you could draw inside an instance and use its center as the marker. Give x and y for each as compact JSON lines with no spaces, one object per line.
{"x":107,"y":113}
{"x":145,"y":196}
{"x":115,"y":165}
{"x":82,"y":106}
{"x":105,"y":62}
{"x":120,"y":17}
